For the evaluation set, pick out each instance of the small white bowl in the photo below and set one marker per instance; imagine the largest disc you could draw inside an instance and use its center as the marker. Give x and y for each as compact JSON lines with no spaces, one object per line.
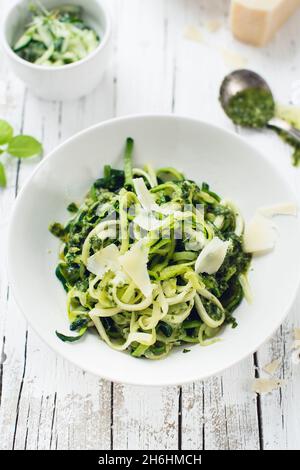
{"x":69,"y":81}
{"x":204,"y":153}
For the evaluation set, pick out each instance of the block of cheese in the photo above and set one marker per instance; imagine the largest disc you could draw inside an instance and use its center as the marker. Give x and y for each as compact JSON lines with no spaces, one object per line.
{"x":256,"y":21}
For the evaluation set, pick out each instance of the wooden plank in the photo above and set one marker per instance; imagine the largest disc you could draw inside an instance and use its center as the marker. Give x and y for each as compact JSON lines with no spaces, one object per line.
{"x":220,"y":413}
{"x":145,"y":418}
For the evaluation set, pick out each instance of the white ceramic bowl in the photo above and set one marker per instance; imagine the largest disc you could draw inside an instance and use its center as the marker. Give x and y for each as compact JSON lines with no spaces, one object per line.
{"x":69,"y":81}
{"x":205,"y":153}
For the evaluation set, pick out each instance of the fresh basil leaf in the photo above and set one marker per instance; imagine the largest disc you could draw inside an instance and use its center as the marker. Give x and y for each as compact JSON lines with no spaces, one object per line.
{"x":6,"y":132}
{"x":2,"y":176}
{"x":24,"y":146}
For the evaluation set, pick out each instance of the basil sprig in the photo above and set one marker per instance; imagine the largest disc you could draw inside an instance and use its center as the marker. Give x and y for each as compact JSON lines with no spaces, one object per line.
{"x":19,"y":146}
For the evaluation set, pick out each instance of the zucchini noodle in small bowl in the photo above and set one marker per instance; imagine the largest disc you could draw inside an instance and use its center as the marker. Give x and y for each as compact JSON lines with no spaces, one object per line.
{"x":162,"y":268}
{"x":60,"y":49}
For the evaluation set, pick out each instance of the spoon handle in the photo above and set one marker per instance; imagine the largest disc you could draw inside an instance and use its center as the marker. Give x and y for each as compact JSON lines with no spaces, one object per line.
{"x":280,"y":124}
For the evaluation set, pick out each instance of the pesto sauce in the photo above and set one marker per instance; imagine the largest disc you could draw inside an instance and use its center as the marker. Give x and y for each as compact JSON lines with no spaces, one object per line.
{"x":290,"y":114}
{"x":253,"y":107}
{"x":294,"y":144}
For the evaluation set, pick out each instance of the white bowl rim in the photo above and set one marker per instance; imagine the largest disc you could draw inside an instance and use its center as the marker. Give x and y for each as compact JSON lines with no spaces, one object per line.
{"x":103,"y":124}
{"x":48,"y":68}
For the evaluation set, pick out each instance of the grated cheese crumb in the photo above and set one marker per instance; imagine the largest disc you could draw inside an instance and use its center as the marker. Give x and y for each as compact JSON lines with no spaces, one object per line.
{"x":233,"y":59}
{"x":297,"y":333}
{"x":192,"y":33}
{"x":213,"y":25}
{"x":273,"y":367}
{"x":262,"y":386}
{"x":296,"y":347}
{"x":296,"y":344}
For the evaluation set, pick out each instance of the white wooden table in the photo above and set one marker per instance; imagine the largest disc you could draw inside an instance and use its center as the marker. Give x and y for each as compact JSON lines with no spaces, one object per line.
{"x":47,"y":403}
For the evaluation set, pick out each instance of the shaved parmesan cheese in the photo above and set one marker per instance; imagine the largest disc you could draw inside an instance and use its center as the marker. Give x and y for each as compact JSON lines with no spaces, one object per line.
{"x":259,"y":235}
{"x":261,"y":386}
{"x":134,"y":263}
{"x":279,"y":209}
{"x":146,"y":199}
{"x":104,"y":260}
{"x":272,"y":367}
{"x":147,"y":221}
{"x":144,"y":196}
{"x":212,"y":256}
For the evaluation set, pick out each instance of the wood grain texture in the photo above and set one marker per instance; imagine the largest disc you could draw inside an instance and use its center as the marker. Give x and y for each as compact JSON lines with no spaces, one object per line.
{"x":47,"y":403}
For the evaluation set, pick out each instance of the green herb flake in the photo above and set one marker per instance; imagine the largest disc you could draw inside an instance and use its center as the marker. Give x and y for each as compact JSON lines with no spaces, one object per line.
{"x":73,"y":208}
{"x":57,"y":230}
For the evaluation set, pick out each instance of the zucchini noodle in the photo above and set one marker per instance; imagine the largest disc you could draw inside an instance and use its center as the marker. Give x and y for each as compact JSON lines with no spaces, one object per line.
{"x":152,"y":261}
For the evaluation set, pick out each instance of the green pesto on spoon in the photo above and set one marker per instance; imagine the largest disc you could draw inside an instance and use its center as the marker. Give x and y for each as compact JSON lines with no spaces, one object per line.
{"x":248,"y":101}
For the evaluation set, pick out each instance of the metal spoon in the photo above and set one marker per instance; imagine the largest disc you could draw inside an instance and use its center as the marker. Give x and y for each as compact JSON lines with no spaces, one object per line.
{"x":241,"y":80}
